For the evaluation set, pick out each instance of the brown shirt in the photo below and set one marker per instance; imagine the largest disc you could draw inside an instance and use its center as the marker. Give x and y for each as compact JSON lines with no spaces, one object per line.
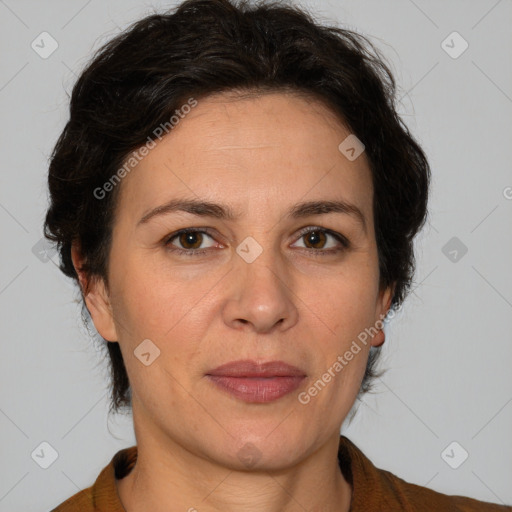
{"x":373,"y":489}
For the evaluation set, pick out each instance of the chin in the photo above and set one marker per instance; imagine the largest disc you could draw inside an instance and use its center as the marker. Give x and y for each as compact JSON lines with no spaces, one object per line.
{"x":270,"y":445}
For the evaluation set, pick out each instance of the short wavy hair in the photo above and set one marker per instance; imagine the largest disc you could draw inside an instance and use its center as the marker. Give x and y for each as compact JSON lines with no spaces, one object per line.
{"x":137,"y":80}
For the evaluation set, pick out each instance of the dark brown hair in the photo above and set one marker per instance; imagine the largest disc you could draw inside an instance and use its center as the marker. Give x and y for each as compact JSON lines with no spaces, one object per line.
{"x":136,"y":81}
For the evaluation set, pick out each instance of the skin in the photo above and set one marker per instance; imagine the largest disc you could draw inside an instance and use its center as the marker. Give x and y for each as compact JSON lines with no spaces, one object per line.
{"x":260,"y":155}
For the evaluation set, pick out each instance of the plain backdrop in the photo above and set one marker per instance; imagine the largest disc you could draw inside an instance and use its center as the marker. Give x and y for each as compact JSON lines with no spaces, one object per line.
{"x":449,"y":350}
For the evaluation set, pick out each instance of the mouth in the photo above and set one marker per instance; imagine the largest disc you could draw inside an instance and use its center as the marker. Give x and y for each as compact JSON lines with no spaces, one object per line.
{"x":253,"y":382}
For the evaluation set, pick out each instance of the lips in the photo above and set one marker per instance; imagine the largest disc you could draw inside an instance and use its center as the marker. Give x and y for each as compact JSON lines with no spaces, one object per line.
{"x":249,"y":368}
{"x":252,"y":382}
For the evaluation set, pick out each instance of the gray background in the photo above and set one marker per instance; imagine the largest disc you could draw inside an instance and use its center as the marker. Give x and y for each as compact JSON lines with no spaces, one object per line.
{"x":448,"y":351}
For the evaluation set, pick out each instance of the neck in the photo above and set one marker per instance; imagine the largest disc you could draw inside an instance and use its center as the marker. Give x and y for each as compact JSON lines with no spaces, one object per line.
{"x":174,"y":479}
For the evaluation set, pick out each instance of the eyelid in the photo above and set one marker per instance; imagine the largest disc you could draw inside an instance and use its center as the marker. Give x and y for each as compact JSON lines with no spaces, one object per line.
{"x":342,"y":240}
{"x":168,"y":238}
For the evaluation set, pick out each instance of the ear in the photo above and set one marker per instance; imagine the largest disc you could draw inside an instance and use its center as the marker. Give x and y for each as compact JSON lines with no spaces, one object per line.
{"x":96,"y":298}
{"x":383,"y":305}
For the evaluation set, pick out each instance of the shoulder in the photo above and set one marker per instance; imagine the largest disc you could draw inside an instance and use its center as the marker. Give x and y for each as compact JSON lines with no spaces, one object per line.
{"x":377,"y":489}
{"x":103,"y":495}
{"x":81,"y":501}
{"x":411,"y":497}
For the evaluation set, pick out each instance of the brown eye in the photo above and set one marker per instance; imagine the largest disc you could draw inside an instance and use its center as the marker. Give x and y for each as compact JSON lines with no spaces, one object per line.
{"x":190,"y":239}
{"x":315,"y":238}
{"x":320,"y":241}
{"x":189,"y":242}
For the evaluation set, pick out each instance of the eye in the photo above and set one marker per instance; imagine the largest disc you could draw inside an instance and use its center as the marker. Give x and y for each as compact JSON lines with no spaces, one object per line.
{"x":190,"y":240}
{"x":316,"y":239}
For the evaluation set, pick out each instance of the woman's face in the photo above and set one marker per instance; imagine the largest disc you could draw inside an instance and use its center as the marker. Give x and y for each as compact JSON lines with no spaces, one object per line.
{"x":253,"y":285}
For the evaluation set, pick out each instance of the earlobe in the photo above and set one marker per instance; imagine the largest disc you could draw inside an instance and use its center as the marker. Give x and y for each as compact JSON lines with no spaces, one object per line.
{"x":98,"y":304}
{"x":379,"y":338}
{"x":96,"y":298}
{"x":385,"y":299}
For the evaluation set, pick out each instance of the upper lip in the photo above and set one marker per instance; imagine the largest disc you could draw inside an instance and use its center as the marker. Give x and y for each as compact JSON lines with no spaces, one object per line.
{"x":249,"y":368}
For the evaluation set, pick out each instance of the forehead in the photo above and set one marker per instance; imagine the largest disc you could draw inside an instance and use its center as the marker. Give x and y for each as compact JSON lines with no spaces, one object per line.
{"x":253,"y":151}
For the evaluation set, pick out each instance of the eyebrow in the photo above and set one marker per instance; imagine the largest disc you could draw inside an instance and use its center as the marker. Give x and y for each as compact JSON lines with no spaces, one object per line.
{"x":224,"y":212}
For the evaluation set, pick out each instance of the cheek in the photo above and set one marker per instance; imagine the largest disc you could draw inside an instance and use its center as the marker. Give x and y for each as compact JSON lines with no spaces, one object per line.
{"x":174,"y":313}
{"x":167,"y":302}
{"x":151,"y":300}
{"x":347,"y":307}
{"x":346,"y":303}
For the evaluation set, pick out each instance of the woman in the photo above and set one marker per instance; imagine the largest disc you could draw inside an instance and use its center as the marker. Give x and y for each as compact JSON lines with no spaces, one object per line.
{"x":237,"y":198}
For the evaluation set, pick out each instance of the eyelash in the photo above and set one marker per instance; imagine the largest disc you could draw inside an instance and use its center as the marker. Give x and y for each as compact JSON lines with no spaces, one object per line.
{"x":317,"y":252}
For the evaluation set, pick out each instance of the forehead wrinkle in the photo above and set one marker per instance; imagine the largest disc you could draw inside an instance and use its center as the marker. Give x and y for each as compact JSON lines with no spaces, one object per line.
{"x":246,"y":146}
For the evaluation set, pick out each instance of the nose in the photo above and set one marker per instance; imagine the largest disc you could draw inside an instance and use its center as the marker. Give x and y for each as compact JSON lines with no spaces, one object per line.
{"x":260,"y":296}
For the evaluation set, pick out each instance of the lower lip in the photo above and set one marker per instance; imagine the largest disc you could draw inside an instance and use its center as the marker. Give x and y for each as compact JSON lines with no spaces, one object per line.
{"x":257,"y":390}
